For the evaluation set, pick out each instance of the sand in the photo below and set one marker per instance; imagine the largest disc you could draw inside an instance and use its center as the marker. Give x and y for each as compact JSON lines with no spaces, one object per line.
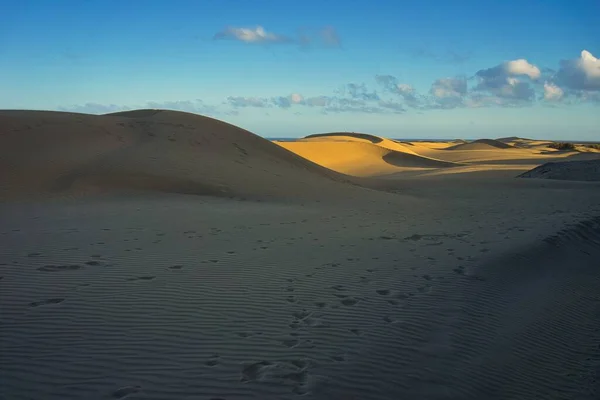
{"x":588,"y":170}
{"x":415,"y":283}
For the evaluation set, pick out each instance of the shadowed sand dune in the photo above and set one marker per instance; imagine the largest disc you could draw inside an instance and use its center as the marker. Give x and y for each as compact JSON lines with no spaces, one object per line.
{"x":586,"y":170}
{"x":361,"y":155}
{"x":447,"y":283}
{"x":481,"y":144}
{"x":155,"y":150}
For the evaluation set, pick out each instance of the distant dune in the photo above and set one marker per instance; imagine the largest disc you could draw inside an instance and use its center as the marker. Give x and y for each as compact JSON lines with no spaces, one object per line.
{"x":55,"y":152}
{"x":361,"y":137}
{"x":586,"y":170}
{"x":481,"y":144}
{"x":365,"y":136}
{"x":361,"y":155}
{"x":510,"y":139}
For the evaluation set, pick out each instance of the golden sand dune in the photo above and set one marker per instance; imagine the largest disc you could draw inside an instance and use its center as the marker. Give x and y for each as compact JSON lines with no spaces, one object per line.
{"x":147,"y":149}
{"x":360,"y":158}
{"x":481,"y":144}
{"x":361,"y":137}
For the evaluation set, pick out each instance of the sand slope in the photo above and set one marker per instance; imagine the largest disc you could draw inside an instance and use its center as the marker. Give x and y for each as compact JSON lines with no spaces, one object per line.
{"x":55,"y":152}
{"x":481,"y":144}
{"x":164,"y":296}
{"x":586,"y":170}
{"x":362,"y":138}
{"x":361,"y":155}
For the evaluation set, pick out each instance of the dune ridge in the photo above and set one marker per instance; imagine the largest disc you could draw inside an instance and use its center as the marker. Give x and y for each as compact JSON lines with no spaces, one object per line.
{"x":361,"y":155}
{"x":579,"y":170}
{"x":481,"y":144}
{"x":151,"y":150}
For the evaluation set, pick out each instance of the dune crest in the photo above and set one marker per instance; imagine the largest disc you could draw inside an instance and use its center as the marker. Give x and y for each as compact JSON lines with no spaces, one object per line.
{"x":481,"y":144}
{"x":584,"y":170}
{"x":361,"y":155}
{"x":56,"y":152}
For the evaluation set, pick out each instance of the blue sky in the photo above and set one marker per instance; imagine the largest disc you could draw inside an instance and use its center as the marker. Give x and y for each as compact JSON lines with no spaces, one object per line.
{"x":407,"y":69}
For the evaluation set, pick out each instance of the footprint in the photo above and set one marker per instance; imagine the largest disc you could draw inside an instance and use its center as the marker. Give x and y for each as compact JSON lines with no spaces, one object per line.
{"x":290,"y":343}
{"x":176,"y":267}
{"x":459,"y":270}
{"x":93,"y":263}
{"x":301,"y":315}
{"x":34,"y":254}
{"x":338,"y":358}
{"x":46,"y":302}
{"x":357,"y":332}
{"x":248,"y":334}
{"x":254,"y":372}
{"x":383,"y":292}
{"x":320,"y":304}
{"x":125,"y":391}
{"x":212,"y":361}
{"x":144,"y":278}
{"x":291,"y":299}
{"x":427,"y":277}
{"x":424,"y":289}
{"x":55,"y":268}
{"x":349,"y":301}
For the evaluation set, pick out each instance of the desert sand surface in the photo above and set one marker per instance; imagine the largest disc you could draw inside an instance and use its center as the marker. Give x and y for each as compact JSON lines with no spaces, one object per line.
{"x":163,"y":255}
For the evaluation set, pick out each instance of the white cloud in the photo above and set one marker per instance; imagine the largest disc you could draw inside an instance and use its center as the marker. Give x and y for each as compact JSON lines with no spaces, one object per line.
{"x":521,"y":67}
{"x":288,"y":101}
{"x":252,"y":35}
{"x":357,"y":91}
{"x":193,"y":106}
{"x":319,"y":101}
{"x":582,"y":73}
{"x":405,"y":88}
{"x":552,"y":92}
{"x":448,"y":92}
{"x":502,"y":81}
{"x":296,"y":98}
{"x":449,"y":87}
{"x":94,"y":108}
{"x":239,"y":101}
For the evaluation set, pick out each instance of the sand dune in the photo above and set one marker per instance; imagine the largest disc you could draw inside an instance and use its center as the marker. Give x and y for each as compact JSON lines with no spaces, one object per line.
{"x":481,"y":144}
{"x":359,"y":158}
{"x":444,"y":283}
{"x":361,"y":137}
{"x":170,"y":151}
{"x":587,"y":170}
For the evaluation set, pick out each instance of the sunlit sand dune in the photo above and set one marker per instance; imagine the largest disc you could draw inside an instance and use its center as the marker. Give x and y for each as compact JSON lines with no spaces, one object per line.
{"x":361,"y":156}
{"x":360,"y":137}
